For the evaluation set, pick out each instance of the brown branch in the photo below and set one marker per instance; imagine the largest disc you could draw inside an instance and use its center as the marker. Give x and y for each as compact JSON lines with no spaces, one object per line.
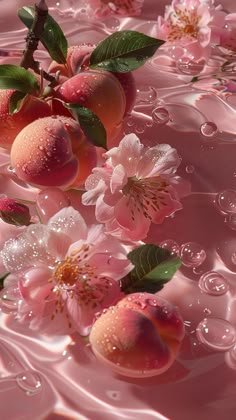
{"x":33,"y":36}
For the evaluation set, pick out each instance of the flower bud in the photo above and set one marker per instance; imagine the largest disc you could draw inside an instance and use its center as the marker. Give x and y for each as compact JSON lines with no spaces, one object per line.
{"x":13,"y":212}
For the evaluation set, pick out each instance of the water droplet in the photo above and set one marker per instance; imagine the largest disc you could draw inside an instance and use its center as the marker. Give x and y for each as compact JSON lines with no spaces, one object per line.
{"x":226,"y":201}
{"x":151,"y":302}
{"x":50,"y":201}
{"x":213,"y":283}
{"x":114,"y":395}
{"x":160,"y":115}
{"x":130,"y":121}
{"x":149,"y":123}
{"x":9,"y":298}
{"x":192,"y":254}
{"x":207,"y":311}
{"x":112,"y":23}
{"x":216,"y":333}
{"x":30,"y":382}
{"x":190,"y":67}
{"x":208,"y":129}
{"x":190,"y":169}
{"x":171,"y":245}
{"x":176,"y":52}
{"x":146,"y":96}
{"x":139,"y":128}
{"x":141,"y":304}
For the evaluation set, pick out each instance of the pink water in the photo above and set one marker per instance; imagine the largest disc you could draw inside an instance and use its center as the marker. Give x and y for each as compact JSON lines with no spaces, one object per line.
{"x":42,"y":378}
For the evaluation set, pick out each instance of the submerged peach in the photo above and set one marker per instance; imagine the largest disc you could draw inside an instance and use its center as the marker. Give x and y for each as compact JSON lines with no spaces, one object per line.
{"x":98,"y":91}
{"x":48,"y":152}
{"x":11,"y":124}
{"x":139,"y":337}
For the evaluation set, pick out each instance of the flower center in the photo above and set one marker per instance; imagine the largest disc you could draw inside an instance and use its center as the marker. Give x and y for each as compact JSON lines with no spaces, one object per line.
{"x":75,"y":278}
{"x":146,"y":196}
{"x":182,"y":24}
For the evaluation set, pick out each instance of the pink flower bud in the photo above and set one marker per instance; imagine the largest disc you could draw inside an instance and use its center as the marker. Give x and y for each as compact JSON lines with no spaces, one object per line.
{"x":13,"y":212}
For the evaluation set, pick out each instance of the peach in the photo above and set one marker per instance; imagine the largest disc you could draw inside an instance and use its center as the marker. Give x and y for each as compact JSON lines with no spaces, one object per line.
{"x":127,"y":81}
{"x":77,"y":60}
{"x":45,"y":153}
{"x":139,"y":337}
{"x":99,"y":91}
{"x":12,"y":124}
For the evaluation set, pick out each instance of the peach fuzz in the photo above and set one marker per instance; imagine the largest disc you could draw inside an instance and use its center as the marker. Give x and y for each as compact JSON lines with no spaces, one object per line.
{"x":98,"y":91}
{"x":42,"y":153}
{"x":139,"y":337}
{"x":11,"y":124}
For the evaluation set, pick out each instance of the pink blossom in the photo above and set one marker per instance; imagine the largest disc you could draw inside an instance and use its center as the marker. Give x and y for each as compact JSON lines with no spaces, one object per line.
{"x":191,"y":24}
{"x":66,"y":272}
{"x":136,"y":186}
{"x":104,"y":8}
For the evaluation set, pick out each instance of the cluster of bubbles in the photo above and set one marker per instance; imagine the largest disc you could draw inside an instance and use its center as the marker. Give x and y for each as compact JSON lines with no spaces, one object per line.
{"x":214,"y":333}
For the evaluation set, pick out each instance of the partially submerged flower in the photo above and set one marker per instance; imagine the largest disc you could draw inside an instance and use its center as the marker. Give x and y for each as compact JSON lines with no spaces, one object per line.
{"x":136,"y":186}
{"x":190,"y":24}
{"x":66,"y":271}
{"x":104,"y":8}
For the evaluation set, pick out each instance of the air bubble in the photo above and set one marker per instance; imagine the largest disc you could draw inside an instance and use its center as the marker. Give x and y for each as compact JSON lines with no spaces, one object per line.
{"x":213,"y":283}
{"x":30,"y":382}
{"x":190,"y":67}
{"x":192,"y":254}
{"x":216,"y":333}
{"x":171,"y":246}
{"x":208,"y":129}
{"x":190,"y":169}
{"x":226,"y":201}
{"x":146,"y":96}
{"x":112,"y":23}
{"x":160,"y":115}
{"x":139,"y":128}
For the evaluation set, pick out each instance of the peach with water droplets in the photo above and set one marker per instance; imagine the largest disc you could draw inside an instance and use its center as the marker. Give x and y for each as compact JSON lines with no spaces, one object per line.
{"x":139,"y":337}
{"x":48,"y":153}
{"x":11,"y":124}
{"x":98,"y":91}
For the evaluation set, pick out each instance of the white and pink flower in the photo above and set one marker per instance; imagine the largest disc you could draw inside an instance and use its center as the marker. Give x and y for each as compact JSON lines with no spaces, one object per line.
{"x":65,"y":272}
{"x":192,"y":25}
{"x":136,"y":186}
{"x":104,"y":8}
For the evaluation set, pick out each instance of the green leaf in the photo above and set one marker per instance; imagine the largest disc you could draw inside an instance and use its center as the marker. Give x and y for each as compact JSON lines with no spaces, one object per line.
{"x":124,"y":51}
{"x":16,"y":101}
{"x":18,"y":78}
{"x":52,"y":37}
{"x":153,"y":267}
{"x":90,"y":124}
